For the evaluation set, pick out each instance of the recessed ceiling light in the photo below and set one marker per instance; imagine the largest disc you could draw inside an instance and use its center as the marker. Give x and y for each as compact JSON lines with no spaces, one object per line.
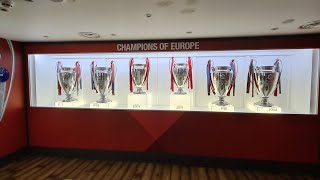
{"x":288,"y":21}
{"x":29,"y":0}
{"x":148,"y":15}
{"x":90,"y":34}
{"x":274,"y":29}
{"x":310,"y":25}
{"x":113,"y":34}
{"x":45,"y":36}
{"x":189,"y":32}
{"x":59,"y":1}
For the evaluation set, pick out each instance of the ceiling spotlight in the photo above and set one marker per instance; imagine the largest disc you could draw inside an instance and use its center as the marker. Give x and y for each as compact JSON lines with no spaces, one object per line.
{"x":189,"y":32}
{"x":29,"y":0}
{"x":310,"y":25}
{"x":89,"y":34}
{"x":148,"y":15}
{"x":288,"y":21}
{"x":113,"y":34}
{"x":7,"y":4}
{"x":274,"y":29}
{"x":4,"y":9}
{"x":59,"y":1}
{"x":45,"y":36}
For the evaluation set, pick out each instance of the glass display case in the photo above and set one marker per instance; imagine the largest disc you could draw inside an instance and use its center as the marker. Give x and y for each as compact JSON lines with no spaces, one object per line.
{"x":250,"y":81}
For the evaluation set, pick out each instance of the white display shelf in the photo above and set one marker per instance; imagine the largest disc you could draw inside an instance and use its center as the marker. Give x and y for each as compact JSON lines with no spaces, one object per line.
{"x":299,"y":81}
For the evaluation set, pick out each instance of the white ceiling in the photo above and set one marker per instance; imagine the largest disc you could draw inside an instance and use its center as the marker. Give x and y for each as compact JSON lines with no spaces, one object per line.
{"x":171,"y":19}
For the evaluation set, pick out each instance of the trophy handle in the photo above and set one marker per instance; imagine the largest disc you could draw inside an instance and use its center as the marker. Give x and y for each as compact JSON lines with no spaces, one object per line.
{"x":58,"y":68}
{"x":279,"y":65}
{"x":234,"y":68}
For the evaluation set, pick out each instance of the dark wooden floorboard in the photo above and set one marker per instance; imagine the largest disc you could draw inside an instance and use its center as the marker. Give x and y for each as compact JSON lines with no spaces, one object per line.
{"x":33,"y":167}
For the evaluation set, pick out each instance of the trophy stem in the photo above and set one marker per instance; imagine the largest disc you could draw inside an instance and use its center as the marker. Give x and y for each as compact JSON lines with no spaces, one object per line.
{"x":103,"y":99}
{"x":139,"y":91}
{"x":180,"y":91}
{"x":69,"y":98}
{"x":221,"y":101}
{"x":264,"y":102}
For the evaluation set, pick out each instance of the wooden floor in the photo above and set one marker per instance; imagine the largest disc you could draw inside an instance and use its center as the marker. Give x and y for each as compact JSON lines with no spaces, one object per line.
{"x":45,"y":167}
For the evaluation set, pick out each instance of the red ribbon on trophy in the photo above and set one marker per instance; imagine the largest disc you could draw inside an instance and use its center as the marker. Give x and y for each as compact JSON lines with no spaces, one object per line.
{"x":251,"y":80}
{"x":59,"y":65}
{"x":190,"y":82}
{"x":171,"y":62}
{"x":233,"y":82}
{"x":147,"y":74}
{"x":78,"y":77}
{"x":92,"y":66}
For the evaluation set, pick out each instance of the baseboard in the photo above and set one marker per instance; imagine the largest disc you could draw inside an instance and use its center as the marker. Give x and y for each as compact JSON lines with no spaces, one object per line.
{"x":270,"y":166}
{"x":15,"y":156}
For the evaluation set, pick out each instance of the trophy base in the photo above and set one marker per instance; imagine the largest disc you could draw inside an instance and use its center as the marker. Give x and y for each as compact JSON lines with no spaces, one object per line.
{"x":178,"y":102}
{"x":69,"y":100}
{"x":264,"y":109}
{"x":139,"y":91}
{"x":139,"y":101}
{"x":67,"y":104}
{"x":105,"y":105}
{"x":224,"y":108}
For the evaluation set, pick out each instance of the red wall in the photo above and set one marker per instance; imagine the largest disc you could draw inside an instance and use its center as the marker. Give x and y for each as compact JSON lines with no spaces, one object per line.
{"x":290,"y":138}
{"x":13,"y":125}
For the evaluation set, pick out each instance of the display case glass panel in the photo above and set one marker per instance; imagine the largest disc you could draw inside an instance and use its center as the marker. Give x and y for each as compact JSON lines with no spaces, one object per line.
{"x":255,"y":81}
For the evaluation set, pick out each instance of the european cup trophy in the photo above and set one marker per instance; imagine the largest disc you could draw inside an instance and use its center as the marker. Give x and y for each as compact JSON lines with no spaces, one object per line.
{"x":139,"y":74}
{"x":69,"y":79}
{"x":266,"y":79}
{"x":181,"y":73}
{"x":221,"y":80}
{"x":102,"y":80}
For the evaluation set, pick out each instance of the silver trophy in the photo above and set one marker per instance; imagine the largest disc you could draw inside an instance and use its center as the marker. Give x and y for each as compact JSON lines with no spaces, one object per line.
{"x":221,"y":80}
{"x":139,"y":76}
{"x":102,"y":79}
{"x":180,"y":73}
{"x":266,"y":79}
{"x":68,"y":80}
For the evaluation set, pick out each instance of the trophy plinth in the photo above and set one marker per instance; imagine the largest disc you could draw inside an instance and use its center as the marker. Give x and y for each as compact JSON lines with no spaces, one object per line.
{"x":264,"y":109}
{"x":218,"y":108}
{"x":67,"y":104}
{"x":139,"y":101}
{"x":178,"y":102}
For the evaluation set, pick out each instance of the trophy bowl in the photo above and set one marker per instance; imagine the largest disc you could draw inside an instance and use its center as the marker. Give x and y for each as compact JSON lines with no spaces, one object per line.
{"x":266,"y":78}
{"x":221,"y":77}
{"x":180,"y":74}
{"x":67,"y":80}
{"x":139,"y":73}
{"x":102,"y":78}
